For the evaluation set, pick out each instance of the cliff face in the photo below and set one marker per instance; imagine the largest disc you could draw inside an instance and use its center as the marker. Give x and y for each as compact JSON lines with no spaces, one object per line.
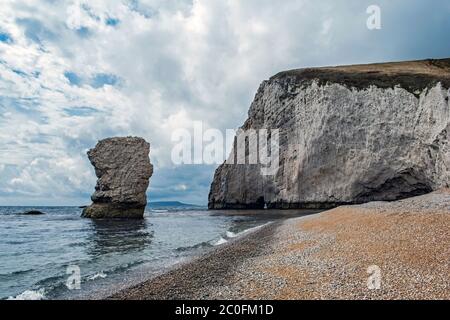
{"x":123,"y":168}
{"x":347,"y":135}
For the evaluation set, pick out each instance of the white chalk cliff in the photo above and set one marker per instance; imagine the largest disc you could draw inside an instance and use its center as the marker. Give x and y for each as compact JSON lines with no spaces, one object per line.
{"x":347,"y":135}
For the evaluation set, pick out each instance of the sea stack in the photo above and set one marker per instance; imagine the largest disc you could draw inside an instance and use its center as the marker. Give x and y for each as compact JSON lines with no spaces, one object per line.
{"x":347,"y":135}
{"x":123,"y":169}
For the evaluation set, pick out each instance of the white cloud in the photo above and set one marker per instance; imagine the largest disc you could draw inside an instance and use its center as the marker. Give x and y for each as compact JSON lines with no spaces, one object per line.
{"x":176,"y":62}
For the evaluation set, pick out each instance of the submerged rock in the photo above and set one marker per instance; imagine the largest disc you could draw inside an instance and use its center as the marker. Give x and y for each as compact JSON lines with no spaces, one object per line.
{"x":33,"y":213}
{"x":123,"y":168}
{"x":346,"y":135}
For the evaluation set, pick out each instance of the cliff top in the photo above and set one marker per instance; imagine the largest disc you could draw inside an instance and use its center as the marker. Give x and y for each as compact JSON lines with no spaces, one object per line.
{"x":411,"y":75}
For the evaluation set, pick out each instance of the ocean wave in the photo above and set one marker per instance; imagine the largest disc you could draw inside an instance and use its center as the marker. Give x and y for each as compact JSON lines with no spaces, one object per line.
{"x":115,"y":270}
{"x":101,"y":275}
{"x":231,"y":234}
{"x":252,"y":229}
{"x":206,"y":244}
{"x":176,"y":213}
{"x":30,"y":295}
{"x":15,"y":273}
{"x":51,"y":281}
{"x":220,"y":241}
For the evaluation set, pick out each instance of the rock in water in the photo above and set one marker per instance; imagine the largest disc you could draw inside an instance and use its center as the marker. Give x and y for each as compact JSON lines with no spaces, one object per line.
{"x":33,"y":213}
{"x":123,"y":168}
{"x":347,"y":135}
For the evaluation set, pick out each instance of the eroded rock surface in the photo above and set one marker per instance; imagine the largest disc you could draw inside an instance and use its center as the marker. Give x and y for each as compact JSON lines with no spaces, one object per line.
{"x":123,"y":169}
{"x":347,"y":135}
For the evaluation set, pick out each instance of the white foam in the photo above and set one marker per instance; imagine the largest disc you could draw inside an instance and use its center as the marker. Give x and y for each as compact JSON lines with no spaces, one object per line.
{"x":231,"y":234}
{"x":220,"y":241}
{"x":159,"y":210}
{"x":30,"y":295}
{"x":101,"y":275}
{"x":251,"y":229}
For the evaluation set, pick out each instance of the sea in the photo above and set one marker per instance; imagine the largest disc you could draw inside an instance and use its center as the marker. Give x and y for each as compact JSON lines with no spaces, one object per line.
{"x":59,"y":255}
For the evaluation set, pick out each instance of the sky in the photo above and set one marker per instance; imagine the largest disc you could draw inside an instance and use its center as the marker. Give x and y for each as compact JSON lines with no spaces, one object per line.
{"x":75,"y":72}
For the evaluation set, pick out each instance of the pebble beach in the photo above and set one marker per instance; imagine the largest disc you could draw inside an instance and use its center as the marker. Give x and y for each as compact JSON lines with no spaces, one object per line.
{"x":331,"y":255}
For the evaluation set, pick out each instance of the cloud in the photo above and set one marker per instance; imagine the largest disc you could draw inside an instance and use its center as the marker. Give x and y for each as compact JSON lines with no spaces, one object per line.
{"x":35,"y":31}
{"x":74,"y":72}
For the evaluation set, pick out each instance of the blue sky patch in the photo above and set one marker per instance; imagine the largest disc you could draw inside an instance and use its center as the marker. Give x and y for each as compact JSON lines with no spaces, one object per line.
{"x":4,"y":37}
{"x":145,"y":11}
{"x":83,"y":32}
{"x":99,"y":80}
{"x":102,"y":79}
{"x":73,"y":78}
{"x":19,"y":72}
{"x":26,"y":106}
{"x":90,"y":12}
{"x":112,"y":22}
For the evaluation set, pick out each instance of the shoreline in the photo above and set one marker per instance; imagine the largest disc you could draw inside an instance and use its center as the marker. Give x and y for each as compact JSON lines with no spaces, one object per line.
{"x":328,"y":255}
{"x":138,"y":277}
{"x":197,"y":277}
